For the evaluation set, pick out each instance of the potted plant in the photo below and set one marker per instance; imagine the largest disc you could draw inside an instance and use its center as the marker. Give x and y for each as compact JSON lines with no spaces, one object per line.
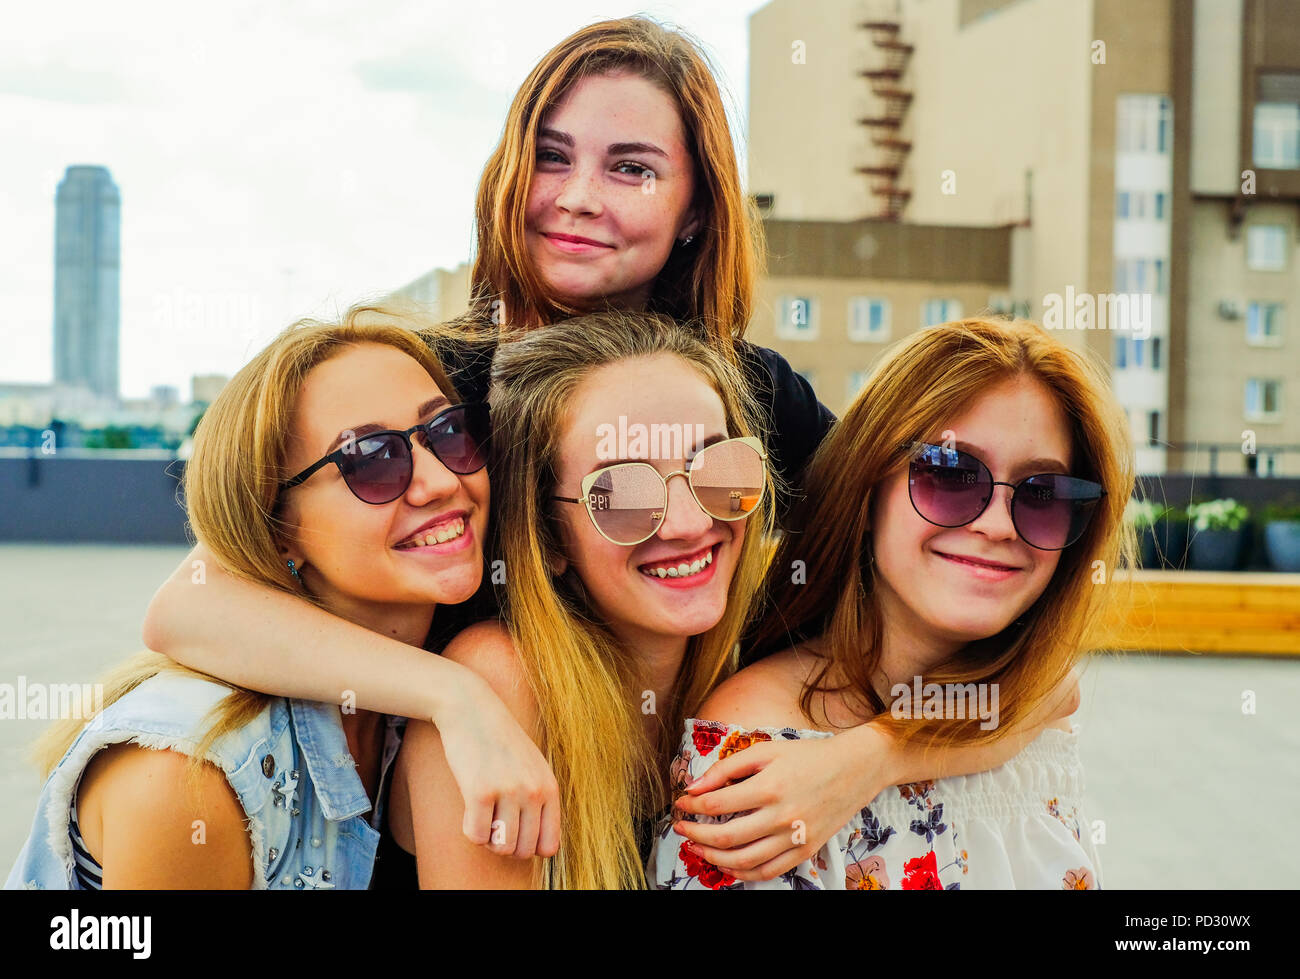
{"x":1282,"y":534}
{"x":1220,"y":530}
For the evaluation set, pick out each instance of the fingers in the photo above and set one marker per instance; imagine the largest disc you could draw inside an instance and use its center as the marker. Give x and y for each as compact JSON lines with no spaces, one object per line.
{"x":744,"y":863}
{"x":530,"y":824}
{"x":505,"y":829}
{"x":477,"y":824}
{"x":732,"y":834}
{"x":741,"y":797}
{"x":740,"y":765}
{"x":548,"y":842}
{"x":774,"y":868}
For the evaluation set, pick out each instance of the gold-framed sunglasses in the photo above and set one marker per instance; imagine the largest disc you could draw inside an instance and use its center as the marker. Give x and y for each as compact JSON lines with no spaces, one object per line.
{"x":627,"y":501}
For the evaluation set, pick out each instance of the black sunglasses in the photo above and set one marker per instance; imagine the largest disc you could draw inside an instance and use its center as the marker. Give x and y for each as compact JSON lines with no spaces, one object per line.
{"x":378,"y":467}
{"x":951,"y":488}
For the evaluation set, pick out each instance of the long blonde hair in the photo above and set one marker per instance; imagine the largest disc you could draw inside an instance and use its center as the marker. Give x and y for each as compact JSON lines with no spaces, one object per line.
{"x":585,"y":682}
{"x":713,"y":279}
{"x":921,"y":383}
{"x":231,"y":487}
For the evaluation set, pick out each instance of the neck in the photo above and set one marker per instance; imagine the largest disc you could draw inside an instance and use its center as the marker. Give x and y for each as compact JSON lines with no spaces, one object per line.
{"x":403,"y":622}
{"x":908,"y":648}
{"x":659,"y":659}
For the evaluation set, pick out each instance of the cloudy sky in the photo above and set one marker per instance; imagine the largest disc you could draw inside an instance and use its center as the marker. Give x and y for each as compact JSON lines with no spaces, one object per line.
{"x":275,"y":159}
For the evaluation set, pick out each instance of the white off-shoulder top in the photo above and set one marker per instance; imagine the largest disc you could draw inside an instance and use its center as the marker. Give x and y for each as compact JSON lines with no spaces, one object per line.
{"x":1020,"y":825}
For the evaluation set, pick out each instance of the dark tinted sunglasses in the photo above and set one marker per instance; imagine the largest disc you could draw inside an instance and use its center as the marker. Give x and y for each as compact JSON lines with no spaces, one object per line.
{"x":951,"y":488}
{"x":378,"y":467}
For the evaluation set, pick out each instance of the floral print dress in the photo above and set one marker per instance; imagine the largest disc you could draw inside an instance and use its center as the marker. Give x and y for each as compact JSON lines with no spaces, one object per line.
{"x":1016,"y":826}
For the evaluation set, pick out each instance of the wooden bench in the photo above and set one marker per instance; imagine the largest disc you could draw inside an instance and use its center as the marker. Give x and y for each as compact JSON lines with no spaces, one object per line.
{"x":1205,"y":612}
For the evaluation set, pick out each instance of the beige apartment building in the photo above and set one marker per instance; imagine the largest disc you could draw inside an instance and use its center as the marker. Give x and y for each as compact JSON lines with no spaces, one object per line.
{"x":1133,"y":166}
{"x":444,"y":293}
{"x":837,"y":293}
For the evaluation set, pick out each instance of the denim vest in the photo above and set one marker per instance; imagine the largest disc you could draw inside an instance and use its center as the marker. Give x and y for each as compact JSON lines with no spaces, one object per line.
{"x":290,"y":767}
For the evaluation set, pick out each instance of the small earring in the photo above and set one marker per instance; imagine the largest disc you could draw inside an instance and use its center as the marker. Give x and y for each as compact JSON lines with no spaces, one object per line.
{"x":293,"y":570}
{"x":687,"y":240}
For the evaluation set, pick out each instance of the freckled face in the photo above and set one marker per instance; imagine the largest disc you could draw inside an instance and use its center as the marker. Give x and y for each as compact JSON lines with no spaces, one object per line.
{"x":662,"y":390}
{"x":611,"y":191}
{"x":354,"y":555}
{"x":928,"y":581}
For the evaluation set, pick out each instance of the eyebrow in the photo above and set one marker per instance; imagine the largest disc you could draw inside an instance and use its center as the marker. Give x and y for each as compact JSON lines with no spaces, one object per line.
{"x":614,"y":149}
{"x":704,"y":444}
{"x":426,"y":409}
{"x":1028,"y":466}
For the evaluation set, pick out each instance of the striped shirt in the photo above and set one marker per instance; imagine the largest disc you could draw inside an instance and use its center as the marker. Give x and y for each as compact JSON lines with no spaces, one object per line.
{"x":89,"y":874}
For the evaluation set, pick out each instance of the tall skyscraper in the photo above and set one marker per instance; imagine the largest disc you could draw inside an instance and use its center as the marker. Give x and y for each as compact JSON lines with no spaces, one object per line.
{"x":87,"y":268}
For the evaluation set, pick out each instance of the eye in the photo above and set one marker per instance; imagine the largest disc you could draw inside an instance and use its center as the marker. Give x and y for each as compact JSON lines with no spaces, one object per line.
{"x":637,"y":169}
{"x":550,"y":156}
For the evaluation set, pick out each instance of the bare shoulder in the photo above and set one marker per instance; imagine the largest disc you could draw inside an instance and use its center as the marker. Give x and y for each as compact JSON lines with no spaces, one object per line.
{"x":487,"y":648}
{"x":144,"y":813}
{"x":765,"y":694}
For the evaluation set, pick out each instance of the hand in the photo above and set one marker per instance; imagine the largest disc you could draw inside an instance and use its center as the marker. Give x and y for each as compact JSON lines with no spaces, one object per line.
{"x":795,"y":796}
{"x":512,"y":801}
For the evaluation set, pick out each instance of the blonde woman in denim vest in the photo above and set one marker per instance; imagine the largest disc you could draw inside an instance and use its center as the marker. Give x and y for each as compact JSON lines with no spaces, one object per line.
{"x":338,"y":466}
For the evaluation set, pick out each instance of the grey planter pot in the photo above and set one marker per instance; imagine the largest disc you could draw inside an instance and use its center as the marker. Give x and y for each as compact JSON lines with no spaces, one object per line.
{"x":1282,"y":543}
{"x":1218,"y":550}
{"x":1173,"y":537}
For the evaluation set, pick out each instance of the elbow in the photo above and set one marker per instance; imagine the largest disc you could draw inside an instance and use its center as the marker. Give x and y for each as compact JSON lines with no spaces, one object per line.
{"x":159,"y":629}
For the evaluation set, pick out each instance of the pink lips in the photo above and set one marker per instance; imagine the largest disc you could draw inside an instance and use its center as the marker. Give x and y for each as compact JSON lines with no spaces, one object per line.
{"x":573,"y":244}
{"x":985,"y":570}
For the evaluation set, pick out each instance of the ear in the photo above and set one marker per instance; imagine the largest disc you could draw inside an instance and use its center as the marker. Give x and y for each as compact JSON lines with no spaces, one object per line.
{"x":558,"y":565}
{"x":289,"y":553}
{"x":694,"y":221}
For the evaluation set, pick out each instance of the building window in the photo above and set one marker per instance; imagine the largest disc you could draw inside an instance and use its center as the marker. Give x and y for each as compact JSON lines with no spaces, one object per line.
{"x":1162,"y":206}
{"x":1264,"y":324}
{"x":1153,"y":428}
{"x":1139,"y":275}
{"x":857,"y":381}
{"x":796,"y":318}
{"x":1266,"y":248}
{"x":1121,"y":352}
{"x":1139,"y":347}
{"x":936,"y":311}
{"x":1277,"y":135}
{"x":1155,"y":353}
{"x":1144,"y":124}
{"x":1122,"y":204}
{"x":868,"y":319}
{"x":1263,"y":399}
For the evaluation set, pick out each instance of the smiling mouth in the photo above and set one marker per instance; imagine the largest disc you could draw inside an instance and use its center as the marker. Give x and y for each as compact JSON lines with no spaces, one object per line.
{"x":435,"y":535}
{"x":679,"y":569}
{"x":574,"y":240}
{"x":989,"y":565}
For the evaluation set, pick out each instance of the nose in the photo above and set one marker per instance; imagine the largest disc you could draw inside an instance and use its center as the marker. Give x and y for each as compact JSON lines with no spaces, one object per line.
{"x":579,"y":194}
{"x":430,"y":479}
{"x":995,"y":522}
{"x":684,"y":519}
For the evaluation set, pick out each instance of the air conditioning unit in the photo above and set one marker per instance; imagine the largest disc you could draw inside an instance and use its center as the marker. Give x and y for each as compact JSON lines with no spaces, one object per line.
{"x":1229,"y":309}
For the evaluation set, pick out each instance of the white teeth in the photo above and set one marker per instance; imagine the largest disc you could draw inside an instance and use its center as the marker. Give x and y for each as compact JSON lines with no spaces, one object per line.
{"x":682,"y":570}
{"x":449,"y":532}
